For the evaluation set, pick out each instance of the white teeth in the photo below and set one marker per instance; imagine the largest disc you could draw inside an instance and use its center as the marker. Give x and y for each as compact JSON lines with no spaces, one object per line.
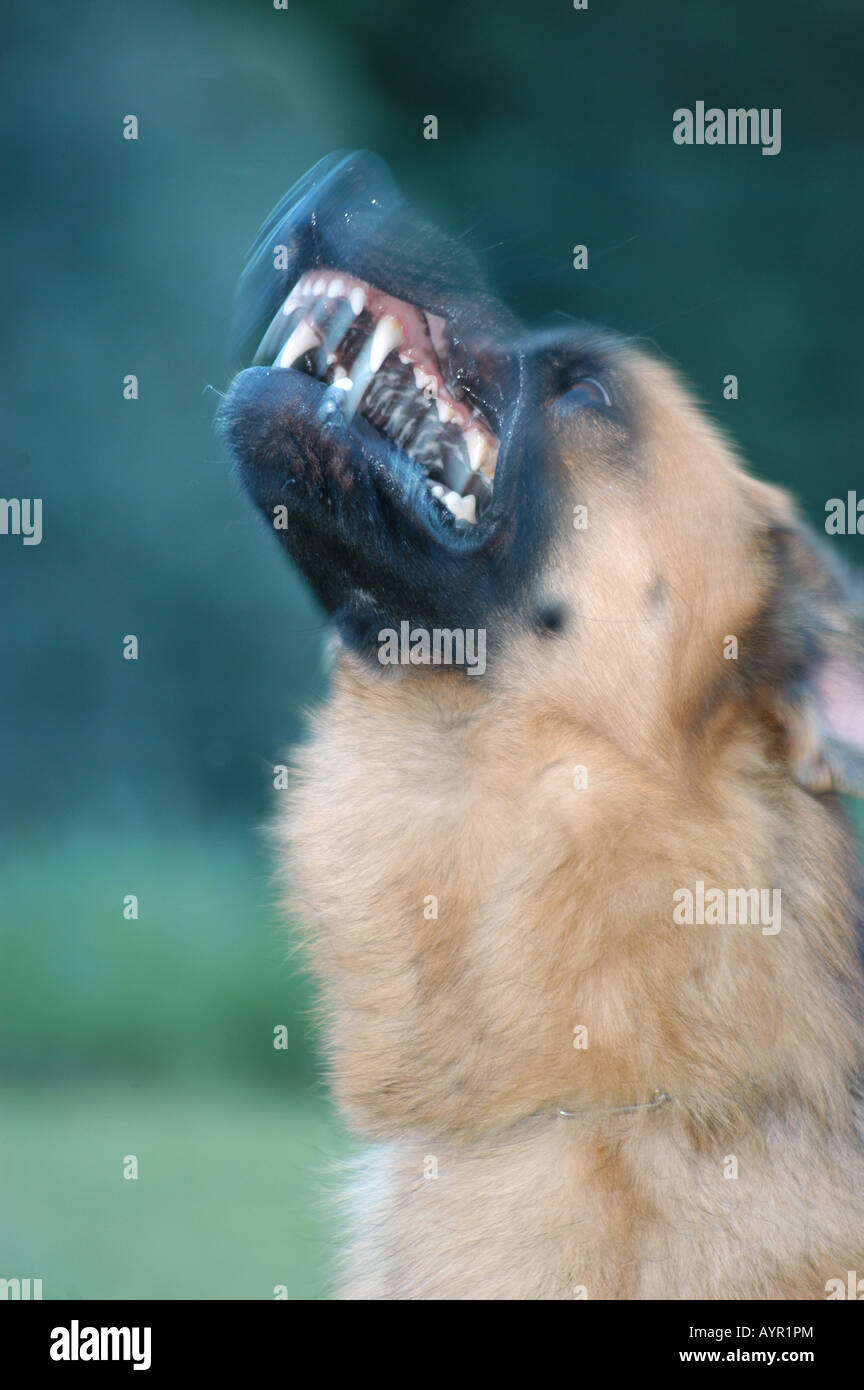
{"x":463,"y":508}
{"x":446,"y":412}
{"x":387,"y":336}
{"x":302,"y":339}
{"x":476,"y":444}
{"x":425,"y":383}
{"x":275,"y":335}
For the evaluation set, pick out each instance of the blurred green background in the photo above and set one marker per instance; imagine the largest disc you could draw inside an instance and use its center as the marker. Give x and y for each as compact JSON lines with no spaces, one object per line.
{"x":154,"y":1036}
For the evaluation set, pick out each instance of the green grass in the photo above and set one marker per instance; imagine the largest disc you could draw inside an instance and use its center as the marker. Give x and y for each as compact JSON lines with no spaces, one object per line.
{"x":194,"y":987}
{"x":155,"y":1038}
{"x":233,"y":1197}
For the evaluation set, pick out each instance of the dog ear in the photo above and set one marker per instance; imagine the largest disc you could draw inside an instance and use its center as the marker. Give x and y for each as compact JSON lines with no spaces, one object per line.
{"x":814,"y":676}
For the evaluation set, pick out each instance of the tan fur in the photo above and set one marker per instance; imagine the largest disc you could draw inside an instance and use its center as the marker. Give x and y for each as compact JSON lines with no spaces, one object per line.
{"x":452,"y":1039}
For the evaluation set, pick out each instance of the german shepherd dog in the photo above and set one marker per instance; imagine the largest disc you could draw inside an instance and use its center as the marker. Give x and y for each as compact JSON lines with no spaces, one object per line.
{"x":584,"y":912}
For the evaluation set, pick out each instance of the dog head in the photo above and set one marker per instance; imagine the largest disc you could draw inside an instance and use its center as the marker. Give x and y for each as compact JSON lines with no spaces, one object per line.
{"x":425,"y":460}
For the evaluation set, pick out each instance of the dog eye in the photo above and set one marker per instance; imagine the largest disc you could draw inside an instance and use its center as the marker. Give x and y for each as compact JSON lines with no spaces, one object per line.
{"x":587,"y":391}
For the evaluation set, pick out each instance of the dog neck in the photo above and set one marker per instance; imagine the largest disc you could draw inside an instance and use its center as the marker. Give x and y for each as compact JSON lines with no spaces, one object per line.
{"x":495,"y":939}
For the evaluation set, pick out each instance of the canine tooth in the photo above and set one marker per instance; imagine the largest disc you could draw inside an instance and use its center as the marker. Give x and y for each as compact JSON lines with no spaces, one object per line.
{"x":477,"y":446}
{"x":357,"y":300}
{"x":336,"y":289}
{"x":387,"y":336}
{"x":453,"y":502}
{"x":302,"y":340}
{"x":403,"y":359}
{"x":361,"y":376}
{"x":275,"y":336}
{"x":438,"y":491}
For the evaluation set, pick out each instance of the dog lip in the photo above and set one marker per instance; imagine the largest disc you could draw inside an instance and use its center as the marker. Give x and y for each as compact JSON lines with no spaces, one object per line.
{"x":387,"y":361}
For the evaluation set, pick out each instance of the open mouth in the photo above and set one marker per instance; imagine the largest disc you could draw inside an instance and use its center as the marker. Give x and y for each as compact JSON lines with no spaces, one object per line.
{"x":394,"y":364}
{"x":378,"y":417}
